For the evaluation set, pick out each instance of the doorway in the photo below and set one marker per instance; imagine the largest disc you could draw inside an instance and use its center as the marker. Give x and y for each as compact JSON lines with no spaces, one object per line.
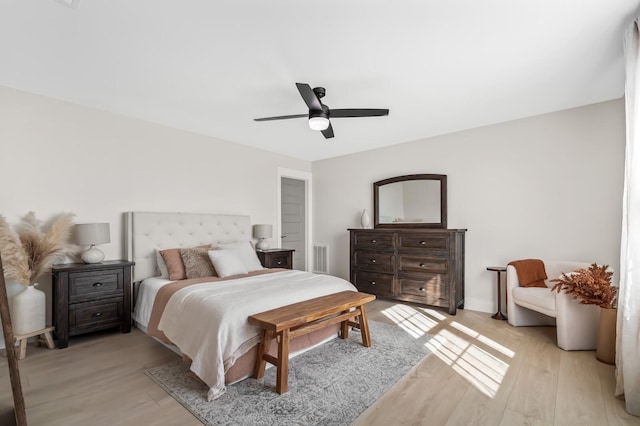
{"x":294,"y":215}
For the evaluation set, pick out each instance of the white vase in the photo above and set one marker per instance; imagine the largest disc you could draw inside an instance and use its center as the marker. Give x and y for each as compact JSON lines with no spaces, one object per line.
{"x":29,"y":310}
{"x":364,"y":219}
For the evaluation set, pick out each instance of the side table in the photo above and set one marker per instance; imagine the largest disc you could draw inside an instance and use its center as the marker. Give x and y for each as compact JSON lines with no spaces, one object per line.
{"x":499,"y":269}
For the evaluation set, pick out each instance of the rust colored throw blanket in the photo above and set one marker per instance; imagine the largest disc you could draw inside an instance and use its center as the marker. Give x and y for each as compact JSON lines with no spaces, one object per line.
{"x":531,"y":272}
{"x":165,"y":293}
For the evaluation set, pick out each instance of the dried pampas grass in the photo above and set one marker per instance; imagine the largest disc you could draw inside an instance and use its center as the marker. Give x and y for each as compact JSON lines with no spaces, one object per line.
{"x":30,"y":250}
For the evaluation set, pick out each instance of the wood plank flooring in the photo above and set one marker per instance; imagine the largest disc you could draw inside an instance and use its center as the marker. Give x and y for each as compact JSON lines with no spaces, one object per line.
{"x":482,"y":372}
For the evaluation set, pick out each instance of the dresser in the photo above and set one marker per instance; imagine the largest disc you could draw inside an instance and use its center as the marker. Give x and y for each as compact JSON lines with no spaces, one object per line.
{"x":91,"y":297}
{"x":424,"y":266}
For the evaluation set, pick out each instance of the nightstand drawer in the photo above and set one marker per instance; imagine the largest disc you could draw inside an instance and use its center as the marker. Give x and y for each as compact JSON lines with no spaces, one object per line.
{"x":91,"y":316}
{"x":279,"y":260}
{"x":85,"y":286}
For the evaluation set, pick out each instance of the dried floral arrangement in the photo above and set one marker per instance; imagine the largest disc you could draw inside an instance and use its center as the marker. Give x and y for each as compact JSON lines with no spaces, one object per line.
{"x":591,"y":286}
{"x":30,"y":250}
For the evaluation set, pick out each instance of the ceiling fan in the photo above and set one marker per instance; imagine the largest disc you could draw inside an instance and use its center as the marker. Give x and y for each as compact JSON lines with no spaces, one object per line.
{"x":319,"y":113}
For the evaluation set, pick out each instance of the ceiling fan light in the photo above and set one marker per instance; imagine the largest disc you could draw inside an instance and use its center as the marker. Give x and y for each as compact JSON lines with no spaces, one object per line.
{"x":319,"y":123}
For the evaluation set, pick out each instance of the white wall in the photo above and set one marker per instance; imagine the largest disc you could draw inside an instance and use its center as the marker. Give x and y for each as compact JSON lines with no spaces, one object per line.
{"x":56,"y":156}
{"x":546,"y":187}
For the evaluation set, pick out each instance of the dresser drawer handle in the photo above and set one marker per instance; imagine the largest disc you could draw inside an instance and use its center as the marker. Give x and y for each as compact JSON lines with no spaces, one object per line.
{"x":373,"y":283}
{"x":374,"y":241}
{"x":422,"y":289}
{"x":373,"y":261}
{"x":97,"y":314}
{"x":97,"y":284}
{"x":422,"y":265}
{"x":279,"y":262}
{"x":423,"y":242}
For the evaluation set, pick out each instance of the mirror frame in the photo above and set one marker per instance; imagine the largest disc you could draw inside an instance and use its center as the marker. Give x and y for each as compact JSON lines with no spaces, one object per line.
{"x":443,"y":202}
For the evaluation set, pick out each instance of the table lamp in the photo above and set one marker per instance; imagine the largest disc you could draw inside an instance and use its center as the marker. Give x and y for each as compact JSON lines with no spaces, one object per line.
{"x":91,"y":234}
{"x":261,"y":232}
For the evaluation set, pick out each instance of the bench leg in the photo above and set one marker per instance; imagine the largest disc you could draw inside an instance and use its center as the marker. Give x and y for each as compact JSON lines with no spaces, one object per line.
{"x":364,"y":327}
{"x":283,"y":362}
{"x":263,"y":348}
{"x":344,"y":328}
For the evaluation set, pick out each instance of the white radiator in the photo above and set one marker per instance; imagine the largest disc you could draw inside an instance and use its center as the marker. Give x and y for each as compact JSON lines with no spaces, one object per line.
{"x":320,"y":258}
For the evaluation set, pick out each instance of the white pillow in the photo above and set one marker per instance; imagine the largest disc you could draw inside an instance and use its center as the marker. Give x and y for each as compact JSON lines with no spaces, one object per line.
{"x":227,"y":262}
{"x":164,"y":272}
{"x":246,"y":253}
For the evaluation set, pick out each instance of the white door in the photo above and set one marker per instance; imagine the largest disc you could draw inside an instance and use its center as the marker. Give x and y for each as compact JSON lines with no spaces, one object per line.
{"x":292,"y":202}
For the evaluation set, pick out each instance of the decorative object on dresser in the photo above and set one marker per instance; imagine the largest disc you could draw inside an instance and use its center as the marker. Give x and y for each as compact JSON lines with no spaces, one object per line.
{"x":424,"y":266}
{"x":91,"y":297}
{"x":91,"y":234}
{"x":262,"y":232}
{"x":276,"y":258}
{"x":365,"y":221}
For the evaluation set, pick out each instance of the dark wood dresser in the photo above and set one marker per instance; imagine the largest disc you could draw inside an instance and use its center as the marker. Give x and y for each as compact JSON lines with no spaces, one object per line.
{"x":91,"y":297}
{"x":424,"y":266}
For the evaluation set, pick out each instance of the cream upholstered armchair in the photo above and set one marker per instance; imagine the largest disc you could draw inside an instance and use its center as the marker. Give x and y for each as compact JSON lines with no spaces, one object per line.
{"x":576,"y":324}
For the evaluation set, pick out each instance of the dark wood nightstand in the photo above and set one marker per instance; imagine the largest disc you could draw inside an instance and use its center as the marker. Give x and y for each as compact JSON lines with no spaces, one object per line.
{"x":90,"y":297}
{"x":276,"y":258}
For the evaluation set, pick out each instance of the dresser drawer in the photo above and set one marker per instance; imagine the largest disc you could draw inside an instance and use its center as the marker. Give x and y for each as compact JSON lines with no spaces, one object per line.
{"x":422,"y":264}
{"x":430,"y":289}
{"x":372,"y":261}
{"x":84,"y":286}
{"x":431,"y":242}
{"x":91,"y":316}
{"x":374,"y":283}
{"x":374,"y":241}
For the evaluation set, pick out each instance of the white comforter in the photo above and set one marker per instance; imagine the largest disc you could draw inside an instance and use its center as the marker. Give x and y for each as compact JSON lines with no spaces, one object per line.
{"x":208,"y":322}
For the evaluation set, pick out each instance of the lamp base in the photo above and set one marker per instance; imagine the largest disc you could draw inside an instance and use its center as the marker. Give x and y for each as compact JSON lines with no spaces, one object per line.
{"x":262,"y":244}
{"x":92,"y":255}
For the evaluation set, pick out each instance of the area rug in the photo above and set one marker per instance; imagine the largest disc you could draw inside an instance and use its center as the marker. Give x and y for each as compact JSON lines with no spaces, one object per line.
{"x":329,"y":385}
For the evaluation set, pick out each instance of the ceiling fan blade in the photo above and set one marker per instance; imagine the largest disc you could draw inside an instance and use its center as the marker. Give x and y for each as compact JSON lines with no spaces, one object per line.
{"x":309,"y":97}
{"x":357,"y":112}
{"x":328,"y":132}
{"x":281,"y":117}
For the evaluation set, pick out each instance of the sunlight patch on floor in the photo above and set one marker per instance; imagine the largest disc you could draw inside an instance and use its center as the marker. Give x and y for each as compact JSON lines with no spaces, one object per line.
{"x":411,"y":320}
{"x":479,"y":367}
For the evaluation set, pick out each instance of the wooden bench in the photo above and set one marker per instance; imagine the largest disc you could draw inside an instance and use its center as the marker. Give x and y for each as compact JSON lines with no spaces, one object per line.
{"x":304,"y":317}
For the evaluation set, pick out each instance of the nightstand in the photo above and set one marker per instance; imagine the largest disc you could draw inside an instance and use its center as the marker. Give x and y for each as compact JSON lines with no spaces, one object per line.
{"x":89,"y":297}
{"x":276,"y":258}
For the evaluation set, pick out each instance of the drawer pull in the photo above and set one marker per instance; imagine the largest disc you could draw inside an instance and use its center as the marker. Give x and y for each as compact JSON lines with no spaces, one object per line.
{"x":97,"y":284}
{"x":422,"y":265}
{"x":373,"y":283}
{"x":97,"y":314}
{"x":373,"y":261}
{"x":279,"y":262}
{"x":374,"y":241}
{"x":422,"y":289}
{"x":423,"y":243}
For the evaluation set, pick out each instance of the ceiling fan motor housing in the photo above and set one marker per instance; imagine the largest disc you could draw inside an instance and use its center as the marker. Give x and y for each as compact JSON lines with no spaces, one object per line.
{"x":319,"y":91}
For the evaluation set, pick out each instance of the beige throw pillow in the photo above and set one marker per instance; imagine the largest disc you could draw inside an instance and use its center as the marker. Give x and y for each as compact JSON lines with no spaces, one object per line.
{"x":196,"y":262}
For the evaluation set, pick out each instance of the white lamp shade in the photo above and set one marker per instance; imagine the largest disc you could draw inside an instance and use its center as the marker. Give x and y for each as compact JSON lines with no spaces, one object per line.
{"x":87,"y":234}
{"x":262,"y":231}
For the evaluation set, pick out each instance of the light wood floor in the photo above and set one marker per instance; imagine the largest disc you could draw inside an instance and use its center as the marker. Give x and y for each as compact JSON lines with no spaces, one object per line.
{"x":482,"y":372}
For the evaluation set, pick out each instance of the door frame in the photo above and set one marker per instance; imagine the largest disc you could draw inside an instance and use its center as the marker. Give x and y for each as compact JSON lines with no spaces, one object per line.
{"x":307,"y":178}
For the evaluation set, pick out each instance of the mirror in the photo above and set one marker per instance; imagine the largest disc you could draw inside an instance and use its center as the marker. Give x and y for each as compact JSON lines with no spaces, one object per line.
{"x":411,"y":201}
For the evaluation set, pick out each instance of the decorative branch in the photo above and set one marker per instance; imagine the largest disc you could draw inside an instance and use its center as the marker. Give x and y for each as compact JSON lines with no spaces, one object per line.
{"x":591,"y":286}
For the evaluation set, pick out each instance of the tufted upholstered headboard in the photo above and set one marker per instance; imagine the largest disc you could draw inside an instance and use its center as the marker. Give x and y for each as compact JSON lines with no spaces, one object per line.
{"x":145,"y":232}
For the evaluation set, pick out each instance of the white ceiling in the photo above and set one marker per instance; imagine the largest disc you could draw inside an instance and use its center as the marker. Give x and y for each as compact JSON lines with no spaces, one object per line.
{"x":210,"y":67}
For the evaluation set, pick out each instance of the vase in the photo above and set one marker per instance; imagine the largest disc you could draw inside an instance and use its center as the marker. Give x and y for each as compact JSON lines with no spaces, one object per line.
{"x":29,"y":311}
{"x":606,"y":346}
{"x":364,"y":219}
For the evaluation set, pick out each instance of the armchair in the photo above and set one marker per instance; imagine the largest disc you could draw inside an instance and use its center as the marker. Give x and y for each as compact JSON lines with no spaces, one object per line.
{"x":576,"y":324}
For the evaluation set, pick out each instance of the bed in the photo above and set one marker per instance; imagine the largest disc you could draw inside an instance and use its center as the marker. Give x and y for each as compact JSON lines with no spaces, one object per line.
{"x":204,"y":318}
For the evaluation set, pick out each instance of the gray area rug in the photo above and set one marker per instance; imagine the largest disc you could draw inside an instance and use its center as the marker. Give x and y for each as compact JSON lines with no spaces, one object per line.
{"x":329,"y":385}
